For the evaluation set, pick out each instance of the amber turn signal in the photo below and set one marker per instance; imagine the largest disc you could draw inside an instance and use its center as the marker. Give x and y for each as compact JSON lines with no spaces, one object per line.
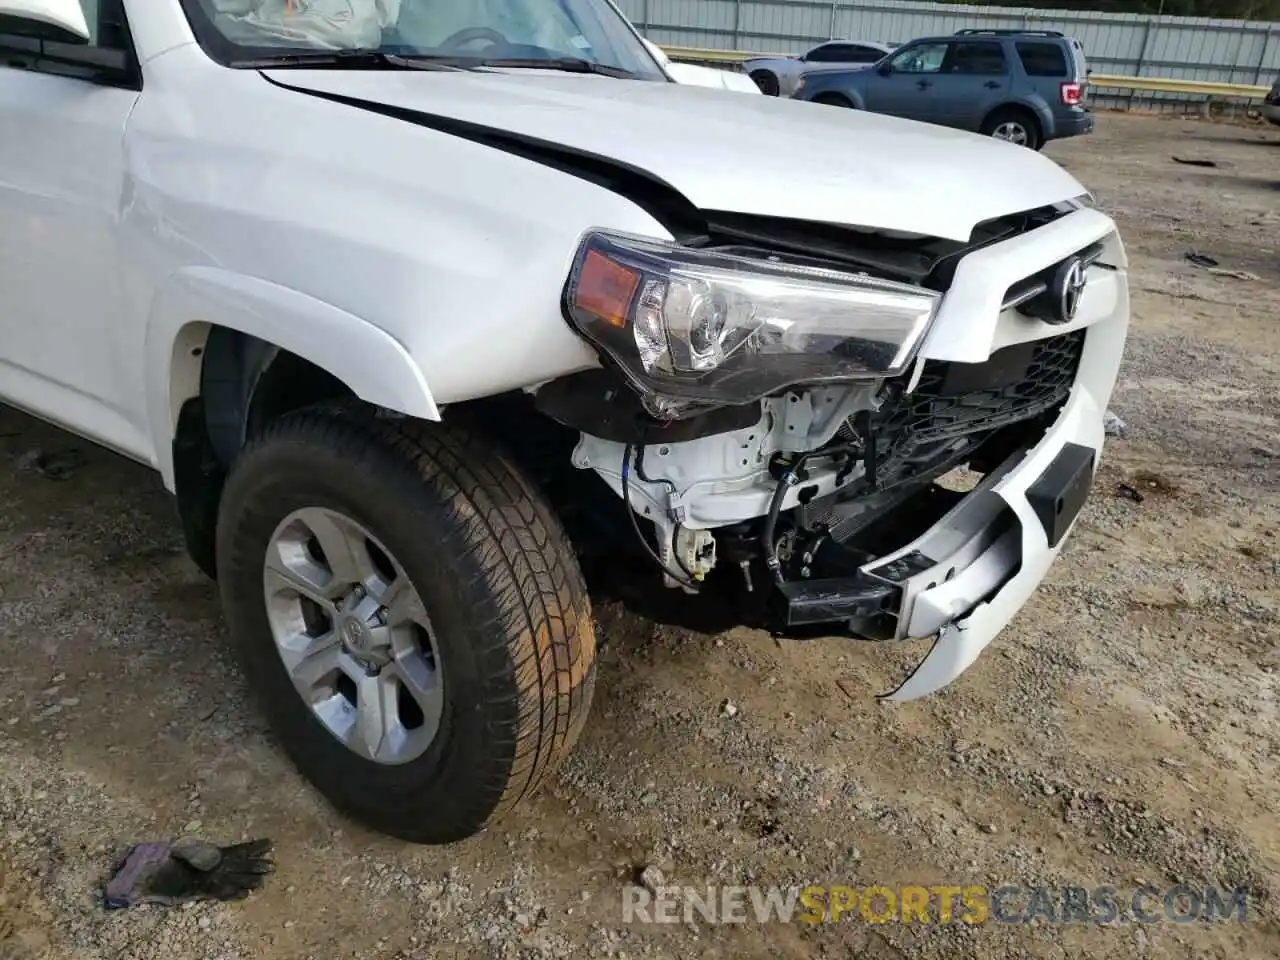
{"x":606,"y":289}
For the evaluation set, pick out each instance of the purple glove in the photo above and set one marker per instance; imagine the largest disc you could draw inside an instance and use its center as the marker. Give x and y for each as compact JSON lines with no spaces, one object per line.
{"x":188,"y":870}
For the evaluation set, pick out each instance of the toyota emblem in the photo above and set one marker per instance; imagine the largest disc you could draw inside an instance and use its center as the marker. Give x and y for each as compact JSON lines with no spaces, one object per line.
{"x":1068,"y":287}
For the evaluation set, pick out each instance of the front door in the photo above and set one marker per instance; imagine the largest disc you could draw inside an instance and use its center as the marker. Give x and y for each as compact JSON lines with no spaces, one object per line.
{"x":907,"y":87}
{"x":63,"y":109}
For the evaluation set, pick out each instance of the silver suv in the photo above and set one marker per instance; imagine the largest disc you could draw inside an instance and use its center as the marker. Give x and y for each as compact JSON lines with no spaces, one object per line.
{"x":1271,"y":104}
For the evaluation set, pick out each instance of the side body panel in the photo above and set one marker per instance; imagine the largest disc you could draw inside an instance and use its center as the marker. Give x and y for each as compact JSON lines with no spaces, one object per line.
{"x":63,"y":323}
{"x":419,"y":268}
{"x":979,"y":77}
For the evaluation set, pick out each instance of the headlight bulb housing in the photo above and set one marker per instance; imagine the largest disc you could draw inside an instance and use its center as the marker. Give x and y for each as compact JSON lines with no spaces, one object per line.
{"x":695,"y":328}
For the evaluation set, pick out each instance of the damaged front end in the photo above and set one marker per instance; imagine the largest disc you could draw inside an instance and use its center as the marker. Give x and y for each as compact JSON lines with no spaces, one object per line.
{"x":831,"y":453}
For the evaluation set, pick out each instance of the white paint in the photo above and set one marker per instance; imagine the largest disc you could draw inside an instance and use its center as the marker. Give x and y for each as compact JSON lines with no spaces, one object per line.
{"x":758,"y":155}
{"x":699,"y":76}
{"x":423,"y":269}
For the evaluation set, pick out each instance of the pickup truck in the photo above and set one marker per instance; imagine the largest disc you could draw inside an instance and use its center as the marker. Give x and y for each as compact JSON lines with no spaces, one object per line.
{"x":419,"y":312}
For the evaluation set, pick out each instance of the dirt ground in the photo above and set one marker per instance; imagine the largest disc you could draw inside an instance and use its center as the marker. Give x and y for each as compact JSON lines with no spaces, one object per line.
{"x":1123,"y":730}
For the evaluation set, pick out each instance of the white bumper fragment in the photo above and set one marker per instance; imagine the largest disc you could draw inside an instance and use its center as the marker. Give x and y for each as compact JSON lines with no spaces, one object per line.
{"x":994,"y":548}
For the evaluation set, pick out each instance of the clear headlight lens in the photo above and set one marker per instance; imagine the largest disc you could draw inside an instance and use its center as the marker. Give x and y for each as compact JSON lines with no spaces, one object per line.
{"x":697,"y":327}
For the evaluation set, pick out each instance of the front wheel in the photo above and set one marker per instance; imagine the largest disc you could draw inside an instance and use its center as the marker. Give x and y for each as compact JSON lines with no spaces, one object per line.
{"x":410,"y":615}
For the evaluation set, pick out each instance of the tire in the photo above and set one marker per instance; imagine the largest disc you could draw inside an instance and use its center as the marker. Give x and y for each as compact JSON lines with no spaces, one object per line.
{"x":766,"y":81}
{"x":510,"y":632}
{"x":834,"y":100}
{"x":1007,"y":118}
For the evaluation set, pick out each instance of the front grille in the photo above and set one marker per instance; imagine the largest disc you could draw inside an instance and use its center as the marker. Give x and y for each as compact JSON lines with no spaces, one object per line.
{"x":956,"y":406}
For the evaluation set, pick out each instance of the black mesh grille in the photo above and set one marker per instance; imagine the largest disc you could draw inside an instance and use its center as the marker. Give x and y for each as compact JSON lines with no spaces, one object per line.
{"x":956,"y":406}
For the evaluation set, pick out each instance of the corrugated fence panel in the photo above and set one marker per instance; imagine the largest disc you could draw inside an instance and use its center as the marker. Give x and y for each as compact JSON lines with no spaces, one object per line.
{"x":1189,"y":48}
{"x":704,"y":15}
{"x":785,"y":27}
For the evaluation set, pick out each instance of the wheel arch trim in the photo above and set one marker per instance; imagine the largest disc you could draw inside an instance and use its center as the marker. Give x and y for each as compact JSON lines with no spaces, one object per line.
{"x":372,"y":364}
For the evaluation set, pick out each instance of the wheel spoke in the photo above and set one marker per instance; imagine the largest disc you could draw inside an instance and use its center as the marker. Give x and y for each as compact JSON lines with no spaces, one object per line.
{"x":402,"y":603}
{"x":312,"y":660}
{"x":377,"y":714}
{"x":422,"y":683}
{"x":345,"y":551}
{"x":305,"y":579}
{"x":390,"y":595}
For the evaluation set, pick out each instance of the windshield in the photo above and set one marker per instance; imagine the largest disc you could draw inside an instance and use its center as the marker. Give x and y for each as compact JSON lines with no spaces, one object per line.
{"x":463,"y":32}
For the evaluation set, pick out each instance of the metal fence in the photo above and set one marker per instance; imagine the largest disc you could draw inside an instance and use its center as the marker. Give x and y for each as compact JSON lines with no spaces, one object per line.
{"x":1188,"y":48}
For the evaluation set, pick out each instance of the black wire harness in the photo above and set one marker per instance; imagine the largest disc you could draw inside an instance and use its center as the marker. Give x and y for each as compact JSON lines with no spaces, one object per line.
{"x":685,"y":578}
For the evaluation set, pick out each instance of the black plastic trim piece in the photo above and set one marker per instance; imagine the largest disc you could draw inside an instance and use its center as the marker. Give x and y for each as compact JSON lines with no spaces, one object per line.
{"x":198,"y":478}
{"x":601,"y":403}
{"x":27,"y":44}
{"x":1060,"y":492}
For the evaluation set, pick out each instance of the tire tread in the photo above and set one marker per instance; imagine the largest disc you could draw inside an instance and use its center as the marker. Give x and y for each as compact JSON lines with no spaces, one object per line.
{"x":533,"y":630}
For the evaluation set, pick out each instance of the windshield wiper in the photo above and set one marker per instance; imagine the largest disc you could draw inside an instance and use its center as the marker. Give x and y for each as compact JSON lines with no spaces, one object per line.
{"x":355,"y":60}
{"x":567,"y":64}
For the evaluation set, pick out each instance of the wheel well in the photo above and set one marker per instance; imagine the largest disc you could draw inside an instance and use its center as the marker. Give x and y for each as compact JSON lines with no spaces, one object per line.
{"x":244,"y":384}
{"x":1014,"y":110}
{"x":766,"y":80}
{"x":833,"y":99}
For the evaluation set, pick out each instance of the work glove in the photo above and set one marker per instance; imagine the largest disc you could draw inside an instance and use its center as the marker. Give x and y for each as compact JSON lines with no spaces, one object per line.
{"x":188,"y":870}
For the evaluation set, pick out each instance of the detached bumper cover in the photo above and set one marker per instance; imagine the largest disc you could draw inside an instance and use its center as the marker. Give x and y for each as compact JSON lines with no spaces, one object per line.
{"x":964,"y":579}
{"x":1009,"y":557}
{"x":995,"y":548}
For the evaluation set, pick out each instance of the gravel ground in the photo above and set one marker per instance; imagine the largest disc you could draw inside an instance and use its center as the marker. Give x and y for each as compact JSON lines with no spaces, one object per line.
{"x":1122,"y":731}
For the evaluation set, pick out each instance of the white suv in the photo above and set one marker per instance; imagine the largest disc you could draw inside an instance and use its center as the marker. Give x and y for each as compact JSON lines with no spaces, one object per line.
{"x":415,"y":304}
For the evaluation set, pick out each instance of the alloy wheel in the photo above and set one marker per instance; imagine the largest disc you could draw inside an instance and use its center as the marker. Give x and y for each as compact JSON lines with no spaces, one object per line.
{"x":353,"y":635}
{"x":1013,"y":131}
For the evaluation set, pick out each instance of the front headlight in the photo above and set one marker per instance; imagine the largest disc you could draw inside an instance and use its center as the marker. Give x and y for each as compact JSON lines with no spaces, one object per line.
{"x":692,"y":328}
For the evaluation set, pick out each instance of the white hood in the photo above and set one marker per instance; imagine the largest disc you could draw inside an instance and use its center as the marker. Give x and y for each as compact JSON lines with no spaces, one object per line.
{"x":729,"y":152}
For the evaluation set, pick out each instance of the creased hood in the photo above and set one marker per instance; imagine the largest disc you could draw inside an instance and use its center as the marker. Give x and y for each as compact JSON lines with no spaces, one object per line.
{"x":737,"y":153}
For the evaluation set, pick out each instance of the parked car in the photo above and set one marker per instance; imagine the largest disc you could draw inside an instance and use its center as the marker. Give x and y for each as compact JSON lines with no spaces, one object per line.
{"x":1022,"y":86}
{"x":418,"y":316}
{"x":699,"y":76}
{"x":1271,"y":104}
{"x":777,"y":76}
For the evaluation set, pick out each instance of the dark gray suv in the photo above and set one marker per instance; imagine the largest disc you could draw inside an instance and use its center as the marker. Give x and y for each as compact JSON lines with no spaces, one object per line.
{"x":1027,"y":87}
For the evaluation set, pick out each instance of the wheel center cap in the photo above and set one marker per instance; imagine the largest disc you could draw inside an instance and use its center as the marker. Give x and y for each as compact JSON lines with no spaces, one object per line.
{"x":362,"y":641}
{"x":355,"y":636}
